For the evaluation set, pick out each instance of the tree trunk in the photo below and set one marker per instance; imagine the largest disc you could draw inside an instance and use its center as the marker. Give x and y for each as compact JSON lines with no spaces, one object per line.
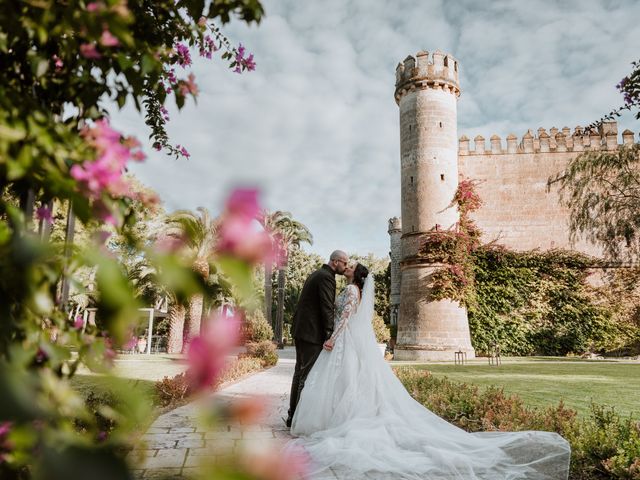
{"x":268,"y":293}
{"x":176,"y":328}
{"x":194,"y":319}
{"x":280,"y":314}
{"x":196,"y":303}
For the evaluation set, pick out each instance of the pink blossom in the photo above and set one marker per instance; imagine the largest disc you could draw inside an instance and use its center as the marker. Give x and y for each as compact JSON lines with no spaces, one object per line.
{"x":78,"y":323}
{"x":104,"y":174}
{"x":57,"y":62}
{"x":188,"y":86}
{"x":183,"y":55}
{"x":44,"y":214}
{"x":89,"y":50}
{"x":249,"y":63}
{"x":5,"y":428}
{"x":202,"y":21}
{"x":157,"y":146}
{"x":249,"y":410}
{"x":243,"y":202}
{"x":95,"y":6}
{"x":292,"y":463}
{"x":108,"y":39}
{"x":240,"y":238}
{"x":207,"y":353}
{"x":242,"y":62}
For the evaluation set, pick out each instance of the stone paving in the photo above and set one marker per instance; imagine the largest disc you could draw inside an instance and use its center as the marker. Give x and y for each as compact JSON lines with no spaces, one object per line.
{"x":176,"y":443}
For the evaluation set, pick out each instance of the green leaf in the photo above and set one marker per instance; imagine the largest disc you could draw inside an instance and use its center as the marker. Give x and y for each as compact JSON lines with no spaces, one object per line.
{"x":148,"y":64}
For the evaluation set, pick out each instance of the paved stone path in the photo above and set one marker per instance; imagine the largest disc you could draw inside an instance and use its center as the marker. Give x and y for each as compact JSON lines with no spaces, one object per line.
{"x":175,"y":443}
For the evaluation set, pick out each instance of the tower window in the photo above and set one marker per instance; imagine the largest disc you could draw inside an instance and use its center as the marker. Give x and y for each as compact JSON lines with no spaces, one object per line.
{"x":413,"y":229}
{"x":440,"y":124}
{"x":409,"y":127}
{"x":411,"y":180}
{"x":442,"y":177}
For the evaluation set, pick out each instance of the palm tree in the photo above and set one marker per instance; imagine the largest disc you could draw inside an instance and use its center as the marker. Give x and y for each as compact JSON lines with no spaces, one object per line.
{"x":291,"y":234}
{"x":272,"y":222}
{"x":199,"y":234}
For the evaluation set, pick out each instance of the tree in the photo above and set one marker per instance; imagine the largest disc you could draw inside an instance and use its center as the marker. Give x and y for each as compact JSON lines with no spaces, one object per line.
{"x":271,"y":222}
{"x":290,"y":235}
{"x":601,"y":189}
{"x":197,"y":234}
{"x":64,"y":66}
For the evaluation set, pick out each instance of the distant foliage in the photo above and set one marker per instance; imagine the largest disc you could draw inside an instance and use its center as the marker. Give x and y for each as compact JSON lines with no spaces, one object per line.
{"x":256,"y":328}
{"x":380,"y":329}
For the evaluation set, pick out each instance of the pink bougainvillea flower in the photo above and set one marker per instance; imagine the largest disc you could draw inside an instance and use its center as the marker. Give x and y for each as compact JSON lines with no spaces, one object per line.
{"x":107,"y":39}
{"x":57,"y":63}
{"x":95,"y":6}
{"x":5,"y":428}
{"x":292,"y":463}
{"x":207,"y":353}
{"x":44,"y":213}
{"x":188,"y":86}
{"x":183,"y":55}
{"x":89,"y":50}
{"x":243,"y":202}
{"x":248,"y":411}
{"x":249,"y":63}
{"x":78,"y":323}
{"x":243,"y":239}
{"x":104,"y":174}
{"x":240,"y":235}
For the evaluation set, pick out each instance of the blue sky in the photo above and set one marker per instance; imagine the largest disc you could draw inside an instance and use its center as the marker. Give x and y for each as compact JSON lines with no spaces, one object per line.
{"x":315,"y":127}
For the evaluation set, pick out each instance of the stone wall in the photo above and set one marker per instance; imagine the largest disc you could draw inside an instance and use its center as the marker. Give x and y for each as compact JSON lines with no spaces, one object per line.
{"x":519,"y":210}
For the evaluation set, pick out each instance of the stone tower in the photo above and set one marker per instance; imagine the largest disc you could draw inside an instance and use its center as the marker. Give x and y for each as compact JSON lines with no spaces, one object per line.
{"x":427,"y":89}
{"x":395,"y":232}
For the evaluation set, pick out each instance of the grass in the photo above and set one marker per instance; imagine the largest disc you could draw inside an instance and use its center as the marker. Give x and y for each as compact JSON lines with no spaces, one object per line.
{"x":542,"y":382}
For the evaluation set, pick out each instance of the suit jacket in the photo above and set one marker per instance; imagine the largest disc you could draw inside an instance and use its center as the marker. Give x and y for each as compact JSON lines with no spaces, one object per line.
{"x":313,"y":318}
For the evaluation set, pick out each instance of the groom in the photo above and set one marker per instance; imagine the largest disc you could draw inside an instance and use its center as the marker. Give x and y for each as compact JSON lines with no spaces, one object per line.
{"x":313,"y":321}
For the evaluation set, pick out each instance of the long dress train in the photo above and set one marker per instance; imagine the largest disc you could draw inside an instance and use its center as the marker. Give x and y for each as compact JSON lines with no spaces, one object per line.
{"x":354,"y":412}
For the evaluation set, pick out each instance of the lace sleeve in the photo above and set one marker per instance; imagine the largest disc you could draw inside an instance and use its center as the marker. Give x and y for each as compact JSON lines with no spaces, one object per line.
{"x":350,"y":306}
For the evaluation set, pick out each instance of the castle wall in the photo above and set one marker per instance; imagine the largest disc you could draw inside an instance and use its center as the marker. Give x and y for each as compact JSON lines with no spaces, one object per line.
{"x":519,"y":212}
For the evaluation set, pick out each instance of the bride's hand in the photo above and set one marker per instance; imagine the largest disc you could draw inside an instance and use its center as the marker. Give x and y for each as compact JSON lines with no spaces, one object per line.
{"x":328,"y":345}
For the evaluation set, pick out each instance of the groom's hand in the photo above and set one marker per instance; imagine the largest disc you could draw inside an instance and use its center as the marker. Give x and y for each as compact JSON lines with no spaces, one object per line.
{"x":328,"y":345}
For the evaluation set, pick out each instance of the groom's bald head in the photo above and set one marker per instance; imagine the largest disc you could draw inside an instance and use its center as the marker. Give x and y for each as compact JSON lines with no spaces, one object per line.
{"x":338,"y":261}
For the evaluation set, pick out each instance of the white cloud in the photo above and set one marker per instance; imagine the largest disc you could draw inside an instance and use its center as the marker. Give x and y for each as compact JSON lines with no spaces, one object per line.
{"x":316,"y":126}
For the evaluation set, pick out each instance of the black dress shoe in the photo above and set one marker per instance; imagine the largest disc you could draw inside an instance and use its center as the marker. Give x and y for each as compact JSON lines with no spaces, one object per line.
{"x":287,"y":421}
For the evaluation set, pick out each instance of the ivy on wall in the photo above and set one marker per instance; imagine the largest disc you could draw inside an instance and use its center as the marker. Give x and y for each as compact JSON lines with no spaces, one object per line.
{"x":527,"y":302}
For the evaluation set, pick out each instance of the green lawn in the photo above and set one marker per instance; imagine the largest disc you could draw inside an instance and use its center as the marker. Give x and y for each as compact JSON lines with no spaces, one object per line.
{"x":542,"y":382}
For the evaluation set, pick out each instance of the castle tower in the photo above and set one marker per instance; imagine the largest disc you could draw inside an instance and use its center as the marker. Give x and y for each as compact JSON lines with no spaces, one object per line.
{"x":427,"y":89}
{"x":395,"y":232}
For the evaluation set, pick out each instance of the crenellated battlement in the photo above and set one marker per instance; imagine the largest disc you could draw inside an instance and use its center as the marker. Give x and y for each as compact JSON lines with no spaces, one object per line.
{"x":606,"y":138}
{"x":436,"y":70}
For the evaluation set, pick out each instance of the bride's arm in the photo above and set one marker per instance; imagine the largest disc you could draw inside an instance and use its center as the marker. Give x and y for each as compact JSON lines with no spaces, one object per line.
{"x":349,"y":308}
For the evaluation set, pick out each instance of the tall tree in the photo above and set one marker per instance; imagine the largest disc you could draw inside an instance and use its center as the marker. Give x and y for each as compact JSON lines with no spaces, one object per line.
{"x":198,"y":234}
{"x":272,"y":222}
{"x":290,"y":235}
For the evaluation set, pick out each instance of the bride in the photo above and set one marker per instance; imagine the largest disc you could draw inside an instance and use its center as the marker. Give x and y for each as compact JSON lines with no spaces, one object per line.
{"x":353,"y":412}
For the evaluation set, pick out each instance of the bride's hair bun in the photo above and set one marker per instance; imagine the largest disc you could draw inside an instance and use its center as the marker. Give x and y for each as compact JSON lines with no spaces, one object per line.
{"x":360,"y":273}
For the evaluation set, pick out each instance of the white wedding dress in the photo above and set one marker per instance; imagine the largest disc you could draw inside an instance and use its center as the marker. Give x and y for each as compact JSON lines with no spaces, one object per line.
{"x":354,"y":412}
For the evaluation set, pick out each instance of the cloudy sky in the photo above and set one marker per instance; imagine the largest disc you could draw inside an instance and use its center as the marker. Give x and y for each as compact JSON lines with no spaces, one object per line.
{"x":315,"y":127}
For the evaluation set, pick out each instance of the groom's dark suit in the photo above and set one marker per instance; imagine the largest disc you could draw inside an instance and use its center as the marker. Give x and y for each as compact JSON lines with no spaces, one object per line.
{"x":312,"y":326}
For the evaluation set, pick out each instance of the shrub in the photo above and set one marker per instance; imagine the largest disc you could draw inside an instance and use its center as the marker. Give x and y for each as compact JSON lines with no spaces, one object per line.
{"x":171,"y":391}
{"x":380,"y":329}
{"x":265,"y":351}
{"x":256,"y":327}
{"x":176,"y":390}
{"x":603,"y":445}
